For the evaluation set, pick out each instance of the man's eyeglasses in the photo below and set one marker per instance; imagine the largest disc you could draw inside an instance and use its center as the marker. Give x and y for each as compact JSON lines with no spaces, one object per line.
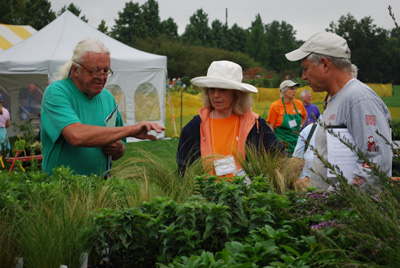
{"x":98,"y":72}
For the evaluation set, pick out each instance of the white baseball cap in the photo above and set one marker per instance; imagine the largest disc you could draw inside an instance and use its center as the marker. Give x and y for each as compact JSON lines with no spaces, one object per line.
{"x":286,"y":84}
{"x":224,"y":74}
{"x":325,"y":43}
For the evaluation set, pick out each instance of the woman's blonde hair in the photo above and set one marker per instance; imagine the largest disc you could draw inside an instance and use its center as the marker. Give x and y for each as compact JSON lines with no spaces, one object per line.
{"x":89,"y":45}
{"x":242,"y":101}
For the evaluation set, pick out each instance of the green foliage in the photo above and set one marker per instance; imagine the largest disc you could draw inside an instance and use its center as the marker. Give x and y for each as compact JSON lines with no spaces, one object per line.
{"x":198,"y":33}
{"x":48,"y":220}
{"x":222,"y":212}
{"x":142,"y":21}
{"x":10,"y":12}
{"x":237,"y":38}
{"x":53,"y":220}
{"x":281,"y":39}
{"x":102,"y":27}
{"x":189,"y":60}
{"x":152,"y":18}
{"x":256,"y":43}
{"x":19,"y":145}
{"x":279,"y":170}
{"x":220,"y":33}
{"x":27,"y":132}
{"x":36,"y":13}
{"x":74,"y":9}
{"x":374,"y":50}
{"x":169,"y":29}
{"x":367,"y":227}
{"x":130,"y":24}
{"x":365,"y":39}
{"x":395,"y":125}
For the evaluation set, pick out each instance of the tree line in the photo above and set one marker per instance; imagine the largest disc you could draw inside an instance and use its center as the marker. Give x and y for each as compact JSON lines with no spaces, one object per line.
{"x":261,"y":47}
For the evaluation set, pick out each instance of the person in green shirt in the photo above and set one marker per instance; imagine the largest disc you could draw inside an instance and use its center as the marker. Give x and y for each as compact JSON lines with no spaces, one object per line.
{"x":74,"y":111}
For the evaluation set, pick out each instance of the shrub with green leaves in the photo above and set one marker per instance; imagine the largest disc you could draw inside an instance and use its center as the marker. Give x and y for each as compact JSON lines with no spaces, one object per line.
{"x":221,"y":213}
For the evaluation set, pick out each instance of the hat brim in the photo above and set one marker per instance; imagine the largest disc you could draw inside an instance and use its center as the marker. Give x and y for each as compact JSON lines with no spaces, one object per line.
{"x":297,"y":55}
{"x":216,"y":82}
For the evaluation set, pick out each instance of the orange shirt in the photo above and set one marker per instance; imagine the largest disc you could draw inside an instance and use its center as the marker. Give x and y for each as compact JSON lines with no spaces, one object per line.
{"x":224,"y":136}
{"x":276,"y":111}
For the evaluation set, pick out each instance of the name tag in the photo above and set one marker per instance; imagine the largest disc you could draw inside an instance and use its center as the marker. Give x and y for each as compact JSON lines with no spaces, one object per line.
{"x":225,"y":166}
{"x":292,"y":123}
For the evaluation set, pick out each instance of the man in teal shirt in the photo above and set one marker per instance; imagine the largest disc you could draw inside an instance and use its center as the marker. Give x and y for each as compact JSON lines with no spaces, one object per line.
{"x":74,"y":112}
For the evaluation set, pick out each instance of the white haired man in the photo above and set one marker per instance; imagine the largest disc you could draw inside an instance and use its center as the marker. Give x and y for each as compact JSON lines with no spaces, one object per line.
{"x":74,"y":110}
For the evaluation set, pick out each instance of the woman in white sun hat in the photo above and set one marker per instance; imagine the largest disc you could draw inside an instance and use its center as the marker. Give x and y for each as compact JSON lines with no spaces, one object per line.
{"x":226,"y":123}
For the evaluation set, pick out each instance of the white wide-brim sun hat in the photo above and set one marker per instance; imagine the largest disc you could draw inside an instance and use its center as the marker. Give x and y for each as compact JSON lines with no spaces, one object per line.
{"x":224,"y":74}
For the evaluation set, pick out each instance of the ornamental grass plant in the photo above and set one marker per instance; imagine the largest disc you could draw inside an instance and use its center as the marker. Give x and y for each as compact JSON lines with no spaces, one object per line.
{"x":280,"y":171}
{"x":156,"y":177}
{"x":47,"y":219}
{"x":9,"y":249}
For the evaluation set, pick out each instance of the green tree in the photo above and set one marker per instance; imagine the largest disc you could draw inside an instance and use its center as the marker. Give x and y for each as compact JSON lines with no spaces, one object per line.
{"x":151,"y":18}
{"x":237,"y":38}
{"x":281,"y":40}
{"x":188,"y":60}
{"x":74,"y":10}
{"x":220,"y":33}
{"x":391,"y":69}
{"x":102,"y":27}
{"x":11,"y":10}
{"x":198,"y":32}
{"x":256,"y":46}
{"x":130,"y":24}
{"x":169,"y":29}
{"x":38,"y":13}
{"x":367,"y":43}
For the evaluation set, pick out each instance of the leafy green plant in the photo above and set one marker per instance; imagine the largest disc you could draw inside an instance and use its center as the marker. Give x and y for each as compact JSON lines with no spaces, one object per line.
{"x":19,"y":145}
{"x":26,"y":131}
{"x":221,"y":212}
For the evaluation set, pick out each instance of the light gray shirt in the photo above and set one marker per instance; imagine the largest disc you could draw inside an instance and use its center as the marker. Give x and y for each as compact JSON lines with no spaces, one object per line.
{"x":358,"y":108}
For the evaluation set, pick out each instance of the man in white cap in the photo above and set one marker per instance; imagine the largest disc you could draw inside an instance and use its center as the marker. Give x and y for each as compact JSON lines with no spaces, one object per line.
{"x":325,"y":59}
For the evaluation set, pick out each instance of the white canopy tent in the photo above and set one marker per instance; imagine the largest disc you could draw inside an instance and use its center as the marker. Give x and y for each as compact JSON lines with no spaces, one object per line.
{"x":26,"y":69}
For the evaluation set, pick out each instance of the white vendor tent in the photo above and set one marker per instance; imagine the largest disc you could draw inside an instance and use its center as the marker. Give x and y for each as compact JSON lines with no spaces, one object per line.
{"x":27,"y":68}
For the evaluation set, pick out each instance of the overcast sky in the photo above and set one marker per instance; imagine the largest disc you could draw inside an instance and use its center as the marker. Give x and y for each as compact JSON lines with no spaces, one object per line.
{"x":306,"y":16}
